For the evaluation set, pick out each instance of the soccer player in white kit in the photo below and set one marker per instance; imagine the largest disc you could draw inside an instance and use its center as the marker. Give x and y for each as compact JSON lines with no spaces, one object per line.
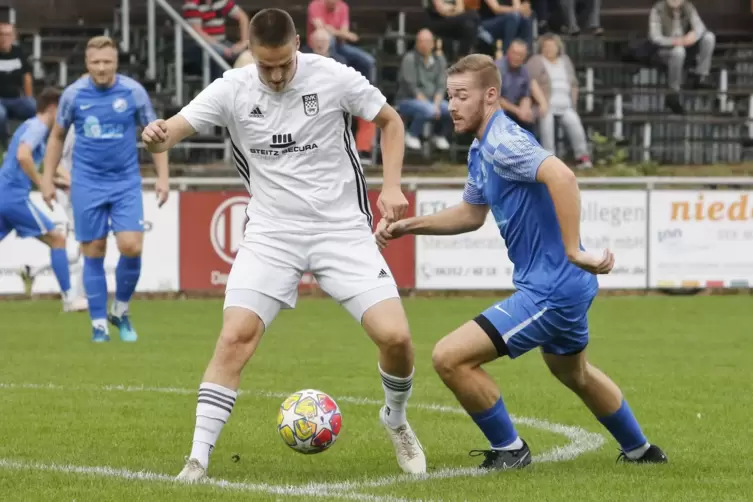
{"x":289,"y":117}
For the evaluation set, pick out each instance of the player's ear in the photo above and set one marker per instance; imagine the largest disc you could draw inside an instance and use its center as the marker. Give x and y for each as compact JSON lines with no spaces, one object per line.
{"x":492,"y":95}
{"x":297,"y":42}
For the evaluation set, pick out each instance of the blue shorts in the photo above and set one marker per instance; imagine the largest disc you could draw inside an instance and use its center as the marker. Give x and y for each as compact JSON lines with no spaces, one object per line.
{"x":24,"y":217}
{"x":517,"y":325}
{"x":97,"y":211}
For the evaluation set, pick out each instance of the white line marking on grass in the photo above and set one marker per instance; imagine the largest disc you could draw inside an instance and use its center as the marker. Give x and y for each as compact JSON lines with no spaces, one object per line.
{"x":125,"y":474}
{"x":581,"y":441}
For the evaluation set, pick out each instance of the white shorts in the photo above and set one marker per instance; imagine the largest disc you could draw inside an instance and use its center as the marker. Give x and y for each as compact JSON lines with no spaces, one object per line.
{"x":347,"y":264}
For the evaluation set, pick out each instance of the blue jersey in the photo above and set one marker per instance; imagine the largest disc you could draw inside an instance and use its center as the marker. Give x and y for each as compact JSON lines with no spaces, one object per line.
{"x":14,"y":183}
{"x":502,"y":171}
{"x":105,"y":123}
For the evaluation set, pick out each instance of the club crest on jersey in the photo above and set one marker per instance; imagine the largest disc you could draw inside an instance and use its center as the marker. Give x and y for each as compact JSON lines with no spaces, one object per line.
{"x":310,"y":104}
{"x":119,"y":105}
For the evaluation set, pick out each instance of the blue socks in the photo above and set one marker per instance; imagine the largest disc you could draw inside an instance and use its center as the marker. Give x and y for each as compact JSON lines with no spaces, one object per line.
{"x":59,"y":262}
{"x":126,"y":276}
{"x":497,"y":426}
{"x":95,"y":285}
{"x":625,"y":429}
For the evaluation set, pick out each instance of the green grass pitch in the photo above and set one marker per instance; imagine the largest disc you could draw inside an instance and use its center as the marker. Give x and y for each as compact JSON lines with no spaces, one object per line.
{"x":113,"y":422}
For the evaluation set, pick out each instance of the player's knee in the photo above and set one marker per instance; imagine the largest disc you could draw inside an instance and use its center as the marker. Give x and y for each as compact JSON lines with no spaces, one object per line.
{"x":237,"y":332}
{"x":130,"y":248}
{"x":445,"y":362}
{"x":95,"y":249}
{"x":395,"y":339}
{"x":575,"y":379}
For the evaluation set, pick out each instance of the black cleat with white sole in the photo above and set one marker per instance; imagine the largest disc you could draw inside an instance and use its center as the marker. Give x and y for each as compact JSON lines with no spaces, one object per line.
{"x":502,"y":460}
{"x":654,"y":455}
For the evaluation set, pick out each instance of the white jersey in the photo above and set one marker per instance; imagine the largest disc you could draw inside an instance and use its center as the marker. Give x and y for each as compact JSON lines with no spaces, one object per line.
{"x":294,"y":149}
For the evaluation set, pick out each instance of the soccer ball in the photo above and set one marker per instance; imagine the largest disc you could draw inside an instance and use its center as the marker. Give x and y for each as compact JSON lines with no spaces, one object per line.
{"x":309,"y":421}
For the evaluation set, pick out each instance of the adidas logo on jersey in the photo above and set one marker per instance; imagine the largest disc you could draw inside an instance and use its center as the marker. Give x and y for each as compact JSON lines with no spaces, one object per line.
{"x":382,"y":275}
{"x":256,"y":113}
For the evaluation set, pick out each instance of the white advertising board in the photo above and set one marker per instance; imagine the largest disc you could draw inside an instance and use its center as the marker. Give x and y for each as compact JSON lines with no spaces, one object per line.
{"x":159,"y":267}
{"x":614,"y":219}
{"x":701,"y":238}
{"x":476,"y":260}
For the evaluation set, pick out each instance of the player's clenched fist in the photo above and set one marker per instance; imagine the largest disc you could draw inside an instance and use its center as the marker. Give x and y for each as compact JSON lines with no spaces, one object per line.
{"x":154,"y":133}
{"x":392,"y":203}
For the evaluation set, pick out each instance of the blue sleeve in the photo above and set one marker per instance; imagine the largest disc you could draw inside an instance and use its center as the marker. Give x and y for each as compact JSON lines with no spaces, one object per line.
{"x":144,"y":109}
{"x":66,"y":107}
{"x":34,"y":135}
{"x":471,"y":193}
{"x":515,"y":153}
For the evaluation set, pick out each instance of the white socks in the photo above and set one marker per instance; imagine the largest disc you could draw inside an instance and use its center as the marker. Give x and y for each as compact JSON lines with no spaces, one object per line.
{"x":515,"y":445}
{"x":397,"y":390}
{"x":638,"y":452}
{"x":212,"y":412}
{"x":118,"y":308}
{"x":100,"y":324}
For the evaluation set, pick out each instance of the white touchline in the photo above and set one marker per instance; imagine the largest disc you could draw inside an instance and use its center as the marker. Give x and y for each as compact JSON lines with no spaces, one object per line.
{"x":581,"y":441}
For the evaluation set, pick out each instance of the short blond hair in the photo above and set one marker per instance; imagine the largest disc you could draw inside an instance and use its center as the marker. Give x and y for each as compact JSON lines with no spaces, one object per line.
{"x":101,"y":42}
{"x":481,"y":64}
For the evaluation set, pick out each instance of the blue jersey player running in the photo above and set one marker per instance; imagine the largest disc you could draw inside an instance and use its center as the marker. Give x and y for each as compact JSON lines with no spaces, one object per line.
{"x":17,"y":174}
{"x":105,"y":109}
{"x":535,"y":202}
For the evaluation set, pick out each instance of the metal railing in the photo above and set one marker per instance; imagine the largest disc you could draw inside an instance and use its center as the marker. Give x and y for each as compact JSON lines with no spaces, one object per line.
{"x":180,"y":26}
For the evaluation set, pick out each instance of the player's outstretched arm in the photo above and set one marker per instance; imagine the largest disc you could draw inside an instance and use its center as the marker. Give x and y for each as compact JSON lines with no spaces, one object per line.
{"x":161,"y":135}
{"x":563,"y":188}
{"x":459,"y":219}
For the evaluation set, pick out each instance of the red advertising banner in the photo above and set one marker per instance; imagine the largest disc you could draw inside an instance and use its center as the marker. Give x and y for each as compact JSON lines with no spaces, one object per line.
{"x":211,"y":231}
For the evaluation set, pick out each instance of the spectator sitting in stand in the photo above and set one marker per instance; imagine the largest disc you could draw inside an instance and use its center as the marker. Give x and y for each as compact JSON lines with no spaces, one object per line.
{"x":207,"y":18}
{"x":321,"y":42}
{"x":334,"y":17}
{"x":679,"y":33}
{"x":517,"y":88}
{"x":506,"y":20}
{"x":421,"y":93}
{"x":555,"y":74}
{"x":16,"y":93}
{"x":451,"y":20}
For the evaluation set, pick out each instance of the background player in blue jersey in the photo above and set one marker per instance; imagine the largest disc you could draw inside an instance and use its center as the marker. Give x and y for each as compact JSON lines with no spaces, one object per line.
{"x":17,"y":174}
{"x":105,"y":109}
{"x":535,"y":202}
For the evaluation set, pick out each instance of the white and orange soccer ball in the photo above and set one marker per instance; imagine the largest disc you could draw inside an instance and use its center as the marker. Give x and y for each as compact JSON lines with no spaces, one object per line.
{"x":309,"y":421}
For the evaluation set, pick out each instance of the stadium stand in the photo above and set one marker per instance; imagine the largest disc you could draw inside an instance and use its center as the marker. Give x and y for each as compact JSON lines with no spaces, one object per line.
{"x":620,"y":98}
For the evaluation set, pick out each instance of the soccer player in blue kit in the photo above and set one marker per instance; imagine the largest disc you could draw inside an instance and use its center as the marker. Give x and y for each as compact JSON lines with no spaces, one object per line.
{"x":105,"y":108}
{"x":535,"y":202}
{"x":18,"y":172}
